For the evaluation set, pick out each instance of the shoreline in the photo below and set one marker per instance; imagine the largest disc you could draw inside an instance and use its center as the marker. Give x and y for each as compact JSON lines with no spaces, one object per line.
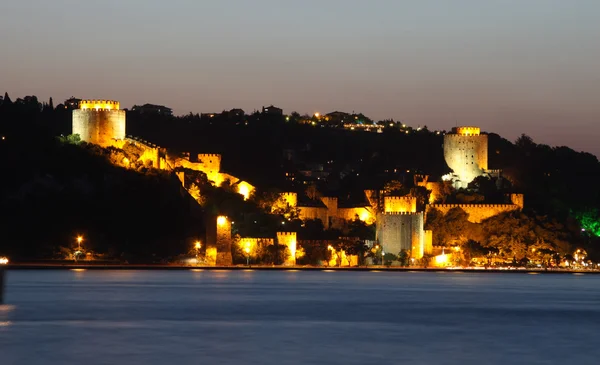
{"x":103,"y":267}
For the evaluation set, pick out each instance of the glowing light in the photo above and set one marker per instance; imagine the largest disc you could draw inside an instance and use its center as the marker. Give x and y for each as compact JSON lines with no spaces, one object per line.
{"x":247,"y":250}
{"x":79,"y":239}
{"x":468,"y":131}
{"x":245,"y":189}
{"x":197,"y":245}
{"x":317,"y":115}
{"x":99,"y":104}
{"x":78,"y":270}
{"x":3,"y":260}
{"x":221,"y":220}
{"x":441,"y":259}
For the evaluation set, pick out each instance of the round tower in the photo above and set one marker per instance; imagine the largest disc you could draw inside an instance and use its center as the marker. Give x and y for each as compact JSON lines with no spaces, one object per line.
{"x":465,"y":152}
{"x":99,"y":121}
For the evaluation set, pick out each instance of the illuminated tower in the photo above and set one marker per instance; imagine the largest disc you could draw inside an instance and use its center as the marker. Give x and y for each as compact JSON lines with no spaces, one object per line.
{"x":99,"y":121}
{"x":465,"y":152}
{"x":288,"y":239}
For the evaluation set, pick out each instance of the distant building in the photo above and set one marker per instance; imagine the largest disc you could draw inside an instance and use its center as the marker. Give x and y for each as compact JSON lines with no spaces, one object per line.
{"x":153,"y":109}
{"x":72,"y":103}
{"x":272,"y":110}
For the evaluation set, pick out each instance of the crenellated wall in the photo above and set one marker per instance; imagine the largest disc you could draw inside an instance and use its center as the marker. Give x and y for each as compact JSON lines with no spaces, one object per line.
{"x":210,"y":161}
{"x":401,"y":231}
{"x":399,"y":204}
{"x":284,"y":201}
{"x":477,"y":212}
{"x":289,"y":240}
{"x":332,"y":206}
{"x":314,"y":213}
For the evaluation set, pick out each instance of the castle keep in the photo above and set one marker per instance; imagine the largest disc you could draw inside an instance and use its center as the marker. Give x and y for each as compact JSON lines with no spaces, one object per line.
{"x":99,"y":121}
{"x":466,"y":153}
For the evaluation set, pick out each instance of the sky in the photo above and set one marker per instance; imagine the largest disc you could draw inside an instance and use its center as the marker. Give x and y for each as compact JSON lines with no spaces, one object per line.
{"x":510,"y":66}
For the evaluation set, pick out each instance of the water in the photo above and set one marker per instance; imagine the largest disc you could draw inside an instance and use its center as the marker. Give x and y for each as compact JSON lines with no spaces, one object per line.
{"x":257,"y":317}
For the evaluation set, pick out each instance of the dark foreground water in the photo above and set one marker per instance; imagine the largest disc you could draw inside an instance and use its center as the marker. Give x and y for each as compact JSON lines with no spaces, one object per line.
{"x":256,"y":317}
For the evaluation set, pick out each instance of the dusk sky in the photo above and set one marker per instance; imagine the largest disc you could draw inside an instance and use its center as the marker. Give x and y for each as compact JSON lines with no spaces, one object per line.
{"x":511,"y":67}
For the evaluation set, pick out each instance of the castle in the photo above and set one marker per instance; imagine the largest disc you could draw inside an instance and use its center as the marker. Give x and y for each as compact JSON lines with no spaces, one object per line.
{"x":102,"y":122}
{"x":399,"y":222}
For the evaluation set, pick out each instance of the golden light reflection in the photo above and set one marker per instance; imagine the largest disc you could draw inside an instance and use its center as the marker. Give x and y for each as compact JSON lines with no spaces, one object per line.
{"x":221,"y":220}
{"x":78,"y":270}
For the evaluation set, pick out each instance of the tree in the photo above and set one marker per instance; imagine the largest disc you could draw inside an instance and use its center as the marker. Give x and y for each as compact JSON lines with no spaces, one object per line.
{"x":404,"y":258}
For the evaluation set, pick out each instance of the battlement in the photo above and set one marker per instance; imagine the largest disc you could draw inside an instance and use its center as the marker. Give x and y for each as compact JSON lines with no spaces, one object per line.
{"x":209,"y":155}
{"x":284,"y":234}
{"x":211,"y":161}
{"x":467,"y":131}
{"x":451,"y":206}
{"x":402,"y":213}
{"x":136,"y":140}
{"x":480,"y":212}
{"x":288,"y":198}
{"x":399,"y":204}
{"x":99,"y":105}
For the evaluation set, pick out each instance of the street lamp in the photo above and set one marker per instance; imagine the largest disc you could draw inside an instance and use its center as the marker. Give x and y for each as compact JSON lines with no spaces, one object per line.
{"x":247,"y":250}
{"x":79,"y":239}
{"x":382,"y":253}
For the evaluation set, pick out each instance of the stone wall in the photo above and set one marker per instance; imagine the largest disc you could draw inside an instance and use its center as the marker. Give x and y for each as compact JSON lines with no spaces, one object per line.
{"x":477,"y":212}
{"x":365,"y":214}
{"x":314,"y":213}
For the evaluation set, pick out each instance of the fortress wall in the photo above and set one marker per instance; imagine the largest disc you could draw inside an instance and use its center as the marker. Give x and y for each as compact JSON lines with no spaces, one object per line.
{"x":254,"y":244}
{"x":518,"y":200}
{"x":401,"y":231}
{"x":100,"y":127}
{"x":332,"y":206}
{"x":211,"y":162}
{"x":364,"y":214}
{"x":314,"y":213}
{"x":289,"y":240}
{"x":477,"y":212}
{"x":399,"y":204}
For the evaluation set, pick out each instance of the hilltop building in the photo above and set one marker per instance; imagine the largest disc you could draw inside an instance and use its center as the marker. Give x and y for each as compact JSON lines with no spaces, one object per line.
{"x":153,"y":109}
{"x":101,"y":122}
{"x":272,"y":110}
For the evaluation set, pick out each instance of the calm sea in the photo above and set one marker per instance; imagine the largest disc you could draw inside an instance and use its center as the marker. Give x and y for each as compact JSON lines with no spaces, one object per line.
{"x":257,"y":317}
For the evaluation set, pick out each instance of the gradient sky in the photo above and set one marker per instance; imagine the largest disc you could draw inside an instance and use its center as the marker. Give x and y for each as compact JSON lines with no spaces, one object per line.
{"x":511,"y":66}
